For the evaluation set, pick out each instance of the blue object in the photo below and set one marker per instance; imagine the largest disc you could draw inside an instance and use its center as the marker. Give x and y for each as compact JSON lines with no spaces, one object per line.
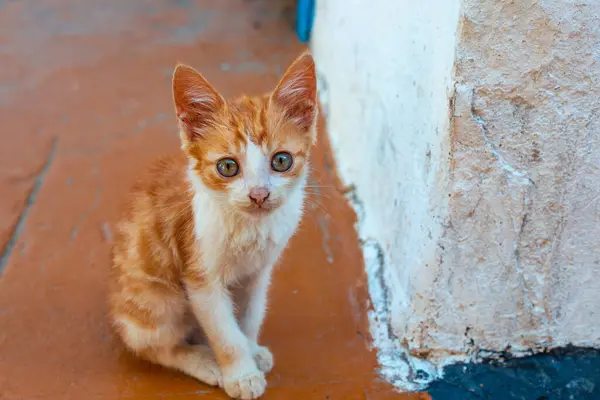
{"x":305,"y":17}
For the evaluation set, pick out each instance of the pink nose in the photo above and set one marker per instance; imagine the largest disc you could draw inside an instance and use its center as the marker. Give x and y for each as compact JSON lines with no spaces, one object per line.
{"x":259,"y":195}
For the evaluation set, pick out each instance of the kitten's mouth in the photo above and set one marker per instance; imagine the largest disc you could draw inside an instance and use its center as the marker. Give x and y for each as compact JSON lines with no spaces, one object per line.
{"x":258,"y":211}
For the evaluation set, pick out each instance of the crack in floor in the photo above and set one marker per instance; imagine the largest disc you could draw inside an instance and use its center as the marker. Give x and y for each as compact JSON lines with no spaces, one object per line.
{"x":31,"y":199}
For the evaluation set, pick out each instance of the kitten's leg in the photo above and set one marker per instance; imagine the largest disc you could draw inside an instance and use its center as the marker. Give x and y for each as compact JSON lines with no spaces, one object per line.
{"x":213,"y":307}
{"x":197,"y":361}
{"x":153,"y":327}
{"x":253,"y":315}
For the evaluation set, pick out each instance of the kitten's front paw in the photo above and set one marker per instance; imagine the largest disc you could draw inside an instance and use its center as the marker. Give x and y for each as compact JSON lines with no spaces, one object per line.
{"x":263,"y":358}
{"x":207,"y":370}
{"x":209,"y":373}
{"x":246,"y":387}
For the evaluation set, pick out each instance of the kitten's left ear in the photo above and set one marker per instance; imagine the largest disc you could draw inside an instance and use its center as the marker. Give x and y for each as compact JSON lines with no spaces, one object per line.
{"x":197,"y":103}
{"x":296,"y":93}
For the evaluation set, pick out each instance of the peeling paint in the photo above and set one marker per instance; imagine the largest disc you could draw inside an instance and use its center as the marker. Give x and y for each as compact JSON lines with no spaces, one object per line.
{"x":323,"y":224}
{"x":397,"y":365}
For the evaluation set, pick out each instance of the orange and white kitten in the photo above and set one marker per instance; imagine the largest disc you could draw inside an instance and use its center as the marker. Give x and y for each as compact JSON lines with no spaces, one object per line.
{"x":203,"y":231}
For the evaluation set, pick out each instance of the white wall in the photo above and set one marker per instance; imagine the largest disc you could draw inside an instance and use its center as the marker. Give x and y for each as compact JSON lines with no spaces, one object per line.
{"x":386,"y":77}
{"x":469,"y":130}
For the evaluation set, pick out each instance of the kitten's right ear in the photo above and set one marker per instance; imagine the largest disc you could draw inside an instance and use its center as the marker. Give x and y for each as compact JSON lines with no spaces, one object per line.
{"x":196,"y":102}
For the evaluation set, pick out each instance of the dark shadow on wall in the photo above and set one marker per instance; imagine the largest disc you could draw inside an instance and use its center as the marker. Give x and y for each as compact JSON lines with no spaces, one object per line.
{"x":569,"y":373}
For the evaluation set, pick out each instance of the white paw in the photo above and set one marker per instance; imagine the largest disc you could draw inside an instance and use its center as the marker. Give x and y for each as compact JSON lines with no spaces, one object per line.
{"x":209,"y":373}
{"x":207,"y":370}
{"x":263,"y":358}
{"x":247,"y":386}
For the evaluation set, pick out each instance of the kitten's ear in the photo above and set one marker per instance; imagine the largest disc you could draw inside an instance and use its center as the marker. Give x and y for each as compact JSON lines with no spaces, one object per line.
{"x":296,"y":93}
{"x":196,"y":102}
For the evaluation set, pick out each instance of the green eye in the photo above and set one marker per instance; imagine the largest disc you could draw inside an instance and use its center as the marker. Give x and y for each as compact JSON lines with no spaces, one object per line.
{"x":227,"y":167}
{"x":281,"y":162}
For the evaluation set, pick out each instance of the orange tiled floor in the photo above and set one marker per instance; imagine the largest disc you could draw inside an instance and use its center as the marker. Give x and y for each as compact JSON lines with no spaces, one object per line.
{"x":84,"y":103}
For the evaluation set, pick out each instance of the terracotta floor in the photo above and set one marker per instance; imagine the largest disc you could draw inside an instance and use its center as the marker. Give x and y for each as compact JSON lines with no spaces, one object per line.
{"x":85,"y":103}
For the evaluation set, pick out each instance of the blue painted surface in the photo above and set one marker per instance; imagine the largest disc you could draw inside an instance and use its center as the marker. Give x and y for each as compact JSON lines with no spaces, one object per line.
{"x":572,"y":373}
{"x":305,"y":16}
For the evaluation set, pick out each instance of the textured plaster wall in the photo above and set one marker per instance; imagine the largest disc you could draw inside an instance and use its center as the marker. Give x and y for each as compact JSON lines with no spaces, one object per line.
{"x":468,"y":133}
{"x":521,"y":265}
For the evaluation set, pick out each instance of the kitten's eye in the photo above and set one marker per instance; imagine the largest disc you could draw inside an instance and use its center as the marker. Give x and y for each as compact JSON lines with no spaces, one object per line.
{"x":227,"y":167}
{"x":281,"y":162}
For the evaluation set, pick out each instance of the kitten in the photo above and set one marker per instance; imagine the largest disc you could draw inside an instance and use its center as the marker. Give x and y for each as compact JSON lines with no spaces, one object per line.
{"x":203,"y":230}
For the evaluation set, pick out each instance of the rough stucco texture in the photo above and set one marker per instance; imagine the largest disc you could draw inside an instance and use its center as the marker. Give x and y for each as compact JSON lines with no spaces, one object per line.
{"x":520,"y":265}
{"x":484,"y":198}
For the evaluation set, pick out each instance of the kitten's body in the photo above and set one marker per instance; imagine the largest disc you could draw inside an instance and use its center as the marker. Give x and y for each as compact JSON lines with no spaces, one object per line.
{"x":196,"y":247}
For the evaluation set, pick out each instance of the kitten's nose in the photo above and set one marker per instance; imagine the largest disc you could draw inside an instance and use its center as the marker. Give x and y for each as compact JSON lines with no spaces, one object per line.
{"x":259,"y":195}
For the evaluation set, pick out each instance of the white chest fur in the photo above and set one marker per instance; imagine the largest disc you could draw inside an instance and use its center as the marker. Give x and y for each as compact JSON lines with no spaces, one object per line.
{"x":236,"y":247}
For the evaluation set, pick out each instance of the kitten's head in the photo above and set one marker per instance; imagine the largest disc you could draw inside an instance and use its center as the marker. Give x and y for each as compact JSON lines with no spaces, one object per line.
{"x":251,"y":153}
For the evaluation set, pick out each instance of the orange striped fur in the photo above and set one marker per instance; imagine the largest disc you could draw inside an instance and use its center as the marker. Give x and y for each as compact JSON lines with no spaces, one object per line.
{"x":195,"y":249}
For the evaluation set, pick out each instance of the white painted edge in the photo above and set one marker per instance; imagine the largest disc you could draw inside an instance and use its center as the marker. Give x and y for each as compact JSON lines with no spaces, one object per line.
{"x":396,"y":365}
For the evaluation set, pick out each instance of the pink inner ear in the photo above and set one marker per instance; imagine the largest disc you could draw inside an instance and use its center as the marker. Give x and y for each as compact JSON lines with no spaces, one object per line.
{"x":297,"y":91}
{"x":302,"y":113}
{"x":196,"y":101}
